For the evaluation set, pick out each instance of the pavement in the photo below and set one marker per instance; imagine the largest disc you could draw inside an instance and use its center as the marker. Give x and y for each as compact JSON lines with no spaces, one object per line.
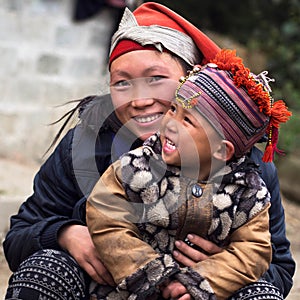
{"x":16,"y":179}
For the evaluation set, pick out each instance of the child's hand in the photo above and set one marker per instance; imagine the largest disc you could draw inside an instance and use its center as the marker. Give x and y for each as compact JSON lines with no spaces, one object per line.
{"x":175,"y":290}
{"x":188,"y":256}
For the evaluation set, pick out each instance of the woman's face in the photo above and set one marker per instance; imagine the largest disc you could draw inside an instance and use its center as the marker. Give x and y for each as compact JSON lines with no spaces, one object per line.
{"x":142,"y":85}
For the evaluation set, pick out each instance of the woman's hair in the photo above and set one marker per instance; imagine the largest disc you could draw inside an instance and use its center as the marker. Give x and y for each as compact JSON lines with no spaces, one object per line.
{"x":185,"y":66}
{"x":68,"y":118}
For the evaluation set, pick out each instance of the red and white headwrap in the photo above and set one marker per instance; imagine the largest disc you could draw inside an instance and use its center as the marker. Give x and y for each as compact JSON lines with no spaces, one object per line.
{"x":156,"y":27}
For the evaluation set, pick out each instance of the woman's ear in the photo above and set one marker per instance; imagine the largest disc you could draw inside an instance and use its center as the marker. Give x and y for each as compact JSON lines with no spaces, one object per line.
{"x":225,"y":151}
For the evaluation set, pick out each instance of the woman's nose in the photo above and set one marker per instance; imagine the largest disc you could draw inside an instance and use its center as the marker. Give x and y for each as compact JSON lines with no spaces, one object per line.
{"x":142,"y":94}
{"x":142,"y":102}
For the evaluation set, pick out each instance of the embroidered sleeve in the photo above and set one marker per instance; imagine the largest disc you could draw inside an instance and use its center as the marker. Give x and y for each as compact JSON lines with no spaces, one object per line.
{"x":243,"y":261}
{"x":144,"y":283}
{"x":197,"y":286}
{"x":235,"y":204}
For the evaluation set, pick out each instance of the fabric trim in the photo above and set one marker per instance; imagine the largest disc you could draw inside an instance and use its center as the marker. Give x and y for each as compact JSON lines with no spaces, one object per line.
{"x":160,"y":37}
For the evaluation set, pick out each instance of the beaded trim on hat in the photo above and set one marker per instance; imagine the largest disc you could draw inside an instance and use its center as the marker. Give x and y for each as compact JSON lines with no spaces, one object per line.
{"x":186,"y":99}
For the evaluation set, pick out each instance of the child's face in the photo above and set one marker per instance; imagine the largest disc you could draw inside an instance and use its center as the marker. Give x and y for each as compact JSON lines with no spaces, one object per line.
{"x":188,"y":139}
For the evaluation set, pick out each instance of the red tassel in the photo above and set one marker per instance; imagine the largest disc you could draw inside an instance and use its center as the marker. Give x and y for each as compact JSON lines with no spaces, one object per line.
{"x":275,"y":133}
{"x":269,"y":154}
{"x":271,"y":147}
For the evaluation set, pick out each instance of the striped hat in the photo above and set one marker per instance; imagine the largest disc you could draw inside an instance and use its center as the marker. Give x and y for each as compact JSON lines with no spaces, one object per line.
{"x":236,"y":102}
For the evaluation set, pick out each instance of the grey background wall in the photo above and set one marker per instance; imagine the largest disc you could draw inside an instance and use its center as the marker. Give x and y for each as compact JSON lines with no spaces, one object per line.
{"x":46,"y":59}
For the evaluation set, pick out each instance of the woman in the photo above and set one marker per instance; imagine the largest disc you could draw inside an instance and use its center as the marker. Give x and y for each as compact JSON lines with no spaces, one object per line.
{"x":54,"y":216}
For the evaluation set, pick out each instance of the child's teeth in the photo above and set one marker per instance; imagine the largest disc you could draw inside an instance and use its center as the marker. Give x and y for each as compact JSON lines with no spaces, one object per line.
{"x":171,"y":144}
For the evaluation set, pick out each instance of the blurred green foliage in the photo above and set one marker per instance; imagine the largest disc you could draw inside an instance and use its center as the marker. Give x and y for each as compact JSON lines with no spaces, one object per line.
{"x":288,"y":141}
{"x":270,"y":26}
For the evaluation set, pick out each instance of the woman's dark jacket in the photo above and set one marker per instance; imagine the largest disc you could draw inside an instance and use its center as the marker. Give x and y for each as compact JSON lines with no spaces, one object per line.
{"x":67,"y":177}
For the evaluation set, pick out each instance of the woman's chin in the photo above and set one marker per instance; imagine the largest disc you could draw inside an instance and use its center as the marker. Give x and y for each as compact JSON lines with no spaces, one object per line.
{"x":144,"y":133}
{"x":145,"y":136}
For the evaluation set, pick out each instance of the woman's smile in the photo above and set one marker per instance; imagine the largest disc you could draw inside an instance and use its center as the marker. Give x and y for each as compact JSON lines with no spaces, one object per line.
{"x":148,"y":118}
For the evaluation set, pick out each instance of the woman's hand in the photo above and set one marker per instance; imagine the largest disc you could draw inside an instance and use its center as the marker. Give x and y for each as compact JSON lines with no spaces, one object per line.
{"x":188,"y":256}
{"x":77,"y":241}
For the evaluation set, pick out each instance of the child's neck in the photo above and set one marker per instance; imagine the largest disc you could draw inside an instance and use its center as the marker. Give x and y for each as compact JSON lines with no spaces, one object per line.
{"x":204,"y":172}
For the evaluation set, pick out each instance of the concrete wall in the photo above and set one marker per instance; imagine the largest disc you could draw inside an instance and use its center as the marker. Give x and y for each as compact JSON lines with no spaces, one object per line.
{"x":46,"y":59}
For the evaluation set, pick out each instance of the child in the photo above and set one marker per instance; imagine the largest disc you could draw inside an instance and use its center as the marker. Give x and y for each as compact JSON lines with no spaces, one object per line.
{"x":192,"y":177}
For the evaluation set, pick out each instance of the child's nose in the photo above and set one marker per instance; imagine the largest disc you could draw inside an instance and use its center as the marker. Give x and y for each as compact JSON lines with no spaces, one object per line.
{"x":171,"y":126}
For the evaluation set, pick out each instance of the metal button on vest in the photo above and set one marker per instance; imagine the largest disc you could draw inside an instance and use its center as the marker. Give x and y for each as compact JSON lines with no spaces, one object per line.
{"x":197,"y":190}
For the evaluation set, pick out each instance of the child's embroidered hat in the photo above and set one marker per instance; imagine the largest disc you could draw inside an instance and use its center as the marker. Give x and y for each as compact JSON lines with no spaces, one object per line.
{"x":236,"y":102}
{"x":156,"y":27}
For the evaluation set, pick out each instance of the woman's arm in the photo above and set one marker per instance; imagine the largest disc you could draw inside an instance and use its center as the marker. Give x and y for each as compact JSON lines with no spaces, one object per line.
{"x":49,"y":208}
{"x":282,"y":266}
{"x":54,"y":216}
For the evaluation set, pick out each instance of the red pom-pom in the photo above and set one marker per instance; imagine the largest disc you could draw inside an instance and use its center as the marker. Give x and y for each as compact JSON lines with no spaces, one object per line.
{"x":279,"y":113}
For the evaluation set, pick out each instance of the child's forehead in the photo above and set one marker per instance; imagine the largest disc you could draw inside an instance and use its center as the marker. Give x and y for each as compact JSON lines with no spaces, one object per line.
{"x":192,"y":111}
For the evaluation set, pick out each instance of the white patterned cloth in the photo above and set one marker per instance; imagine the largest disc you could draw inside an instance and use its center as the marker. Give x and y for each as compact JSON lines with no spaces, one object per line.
{"x":48,"y":275}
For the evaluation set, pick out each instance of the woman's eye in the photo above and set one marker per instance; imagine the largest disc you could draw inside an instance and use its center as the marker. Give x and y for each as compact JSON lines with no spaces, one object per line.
{"x":154,"y":79}
{"x":121,"y":84}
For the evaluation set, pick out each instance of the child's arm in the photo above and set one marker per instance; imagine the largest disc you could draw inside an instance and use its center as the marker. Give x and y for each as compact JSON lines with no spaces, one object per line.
{"x":110,"y":219}
{"x":136,"y":268}
{"x":245,"y":259}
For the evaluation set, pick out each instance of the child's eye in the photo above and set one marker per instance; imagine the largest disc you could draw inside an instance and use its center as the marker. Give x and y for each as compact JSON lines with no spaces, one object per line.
{"x":188,"y":120}
{"x":172,"y":108}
